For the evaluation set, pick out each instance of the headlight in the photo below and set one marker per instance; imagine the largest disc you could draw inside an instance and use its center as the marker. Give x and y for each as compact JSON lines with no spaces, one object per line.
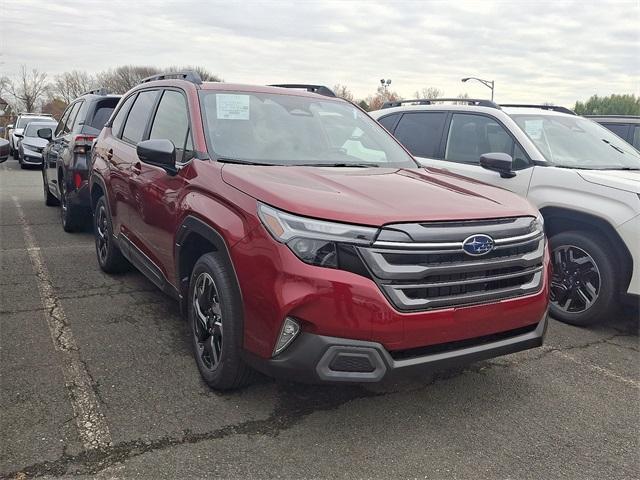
{"x":313,"y":241}
{"x":538,"y":223}
{"x":29,"y":148}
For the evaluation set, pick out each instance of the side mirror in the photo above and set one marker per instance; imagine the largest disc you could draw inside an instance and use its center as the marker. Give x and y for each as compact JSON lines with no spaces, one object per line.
{"x":158,"y":152}
{"x":45,"y":133}
{"x":10,"y":126}
{"x":498,"y":162}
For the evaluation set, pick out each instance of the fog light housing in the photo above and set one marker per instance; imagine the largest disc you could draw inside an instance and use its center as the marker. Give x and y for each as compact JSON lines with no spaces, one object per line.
{"x":289,"y":331}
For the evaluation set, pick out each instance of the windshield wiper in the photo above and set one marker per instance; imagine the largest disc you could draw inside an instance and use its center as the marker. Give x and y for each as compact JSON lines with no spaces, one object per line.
{"x":239,"y":161}
{"x":341,"y":164}
{"x":612,"y":145}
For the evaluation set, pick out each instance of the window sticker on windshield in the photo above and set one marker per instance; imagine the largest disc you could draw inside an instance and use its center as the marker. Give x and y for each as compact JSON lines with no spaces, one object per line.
{"x":533,"y":128}
{"x":232,"y":107}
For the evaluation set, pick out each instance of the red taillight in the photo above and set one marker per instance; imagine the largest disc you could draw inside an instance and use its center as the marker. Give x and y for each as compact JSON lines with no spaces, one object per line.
{"x":83,"y":143}
{"x":77,"y":180}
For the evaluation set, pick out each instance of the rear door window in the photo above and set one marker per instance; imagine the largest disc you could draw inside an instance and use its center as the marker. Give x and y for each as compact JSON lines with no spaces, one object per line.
{"x":116,"y":125}
{"x":62,"y":121}
{"x":71,"y":118}
{"x":138,"y":119}
{"x":421,"y":132}
{"x":79,"y":117}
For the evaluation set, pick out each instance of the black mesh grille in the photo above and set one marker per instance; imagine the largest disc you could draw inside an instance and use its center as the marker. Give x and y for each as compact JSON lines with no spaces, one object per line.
{"x":345,"y":362}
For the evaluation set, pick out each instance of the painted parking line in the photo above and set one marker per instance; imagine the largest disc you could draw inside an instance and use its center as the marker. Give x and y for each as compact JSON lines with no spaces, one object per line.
{"x":593,"y":367}
{"x":91,"y":423}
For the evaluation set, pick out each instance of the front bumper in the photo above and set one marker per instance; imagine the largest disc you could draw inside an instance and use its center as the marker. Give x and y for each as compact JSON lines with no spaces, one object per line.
{"x":31,"y":158}
{"x":630,"y":234}
{"x":318,"y":359}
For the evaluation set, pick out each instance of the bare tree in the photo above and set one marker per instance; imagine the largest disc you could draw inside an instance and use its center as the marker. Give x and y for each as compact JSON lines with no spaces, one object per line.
{"x":70,"y":85}
{"x":205,"y":74}
{"x":461,"y":96}
{"x":376,"y":101}
{"x":121,"y":79}
{"x":429,"y":92}
{"x":29,"y":89}
{"x":343,"y":91}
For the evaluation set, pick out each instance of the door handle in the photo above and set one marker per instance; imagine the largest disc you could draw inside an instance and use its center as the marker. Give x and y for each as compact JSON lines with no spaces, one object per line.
{"x":136,"y":168}
{"x":109,"y":154}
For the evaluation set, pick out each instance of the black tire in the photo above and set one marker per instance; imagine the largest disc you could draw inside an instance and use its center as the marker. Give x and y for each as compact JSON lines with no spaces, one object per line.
{"x":229,"y":371}
{"x":49,"y":199}
{"x":602,"y":279}
{"x":109,"y":256}
{"x":70,"y":215}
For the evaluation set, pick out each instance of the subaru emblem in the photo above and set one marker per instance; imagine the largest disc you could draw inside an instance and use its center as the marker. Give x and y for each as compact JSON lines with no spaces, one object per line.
{"x":477,"y":245}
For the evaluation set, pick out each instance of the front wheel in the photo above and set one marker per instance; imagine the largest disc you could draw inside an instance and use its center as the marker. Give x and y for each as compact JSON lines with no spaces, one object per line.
{"x":215,"y":318}
{"x":584,"y":284}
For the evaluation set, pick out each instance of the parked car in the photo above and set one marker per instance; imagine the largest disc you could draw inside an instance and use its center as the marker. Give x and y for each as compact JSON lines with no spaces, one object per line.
{"x":4,"y":150}
{"x":67,"y":156}
{"x":16,"y":129}
{"x":627,"y":127}
{"x":303,"y":241}
{"x":31,"y":145}
{"x":583,"y":179}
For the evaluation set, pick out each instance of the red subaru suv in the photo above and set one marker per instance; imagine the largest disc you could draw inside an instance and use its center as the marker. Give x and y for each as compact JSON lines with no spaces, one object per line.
{"x":303,"y":241}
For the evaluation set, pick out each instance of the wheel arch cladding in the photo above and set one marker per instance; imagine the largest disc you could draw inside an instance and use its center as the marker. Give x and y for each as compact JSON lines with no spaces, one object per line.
{"x":193,"y":239}
{"x":562,"y":219}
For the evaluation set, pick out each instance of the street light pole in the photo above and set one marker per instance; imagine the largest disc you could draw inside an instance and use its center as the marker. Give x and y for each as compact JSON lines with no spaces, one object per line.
{"x":486,"y":83}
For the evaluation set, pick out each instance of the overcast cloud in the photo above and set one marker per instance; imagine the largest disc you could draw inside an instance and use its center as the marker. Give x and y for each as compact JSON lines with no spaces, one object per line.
{"x":536,"y":51}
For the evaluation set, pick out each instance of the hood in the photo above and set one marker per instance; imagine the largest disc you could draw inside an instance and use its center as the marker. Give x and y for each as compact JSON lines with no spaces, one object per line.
{"x":374,"y":196}
{"x":34,"y":142}
{"x":627,"y":180}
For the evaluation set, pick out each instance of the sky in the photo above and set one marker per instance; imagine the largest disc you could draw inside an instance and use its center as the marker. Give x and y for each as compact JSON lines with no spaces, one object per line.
{"x":536,"y":51}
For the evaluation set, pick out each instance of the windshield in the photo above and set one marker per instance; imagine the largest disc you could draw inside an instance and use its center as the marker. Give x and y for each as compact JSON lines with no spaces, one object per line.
{"x":274,"y":129}
{"x":575,"y":142}
{"x":22,"y":122}
{"x":32,"y":128}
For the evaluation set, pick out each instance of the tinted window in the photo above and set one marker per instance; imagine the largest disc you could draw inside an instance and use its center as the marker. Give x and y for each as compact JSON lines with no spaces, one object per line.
{"x":619,"y":129}
{"x":171,"y":120}
{"x":389,"y":121}
{"x":421,"y":132}
{"x":79,"y":117}
{"x":102,"y":110}
{"x":116,"y":125}
{"x":472,"y":135}
{"x":63,"y":120}
{"x":138,"y":116}
{"x":636,"y":137}
{"x":70,"y":120}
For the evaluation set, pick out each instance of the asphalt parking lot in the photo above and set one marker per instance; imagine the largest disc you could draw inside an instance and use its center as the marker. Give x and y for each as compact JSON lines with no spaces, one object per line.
{"x":97,"y":380}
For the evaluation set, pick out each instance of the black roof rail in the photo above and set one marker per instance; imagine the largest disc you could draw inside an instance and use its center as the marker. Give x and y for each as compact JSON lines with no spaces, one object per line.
{"x":36,"y":114}
{"x":188,"y":75}
{"x":97,"y":91}
{"x":555,"y":108}
{"x":319,"y":89}
{"x":430,"y":101}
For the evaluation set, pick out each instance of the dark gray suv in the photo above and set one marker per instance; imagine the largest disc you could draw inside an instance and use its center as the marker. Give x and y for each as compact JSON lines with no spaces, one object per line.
{"x":66,"y":158}
{"x":627,"y":127}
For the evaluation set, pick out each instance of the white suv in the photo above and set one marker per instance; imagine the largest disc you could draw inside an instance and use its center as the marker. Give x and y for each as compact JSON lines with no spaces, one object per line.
{"x":584,"y":179}
{"x":17,"y":129}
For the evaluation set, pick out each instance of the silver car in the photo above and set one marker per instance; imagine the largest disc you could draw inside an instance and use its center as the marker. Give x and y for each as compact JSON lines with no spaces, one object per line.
{"x":31,"y":145}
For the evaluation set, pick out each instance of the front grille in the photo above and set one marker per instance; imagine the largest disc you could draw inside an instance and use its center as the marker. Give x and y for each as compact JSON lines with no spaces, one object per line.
{"x":419,"y":275}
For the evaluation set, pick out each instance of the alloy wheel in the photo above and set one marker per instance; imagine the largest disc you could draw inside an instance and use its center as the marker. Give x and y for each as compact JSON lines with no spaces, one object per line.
{"x":576,"y":280}
{"x":102,"y":234}
{"x":207,"y":318}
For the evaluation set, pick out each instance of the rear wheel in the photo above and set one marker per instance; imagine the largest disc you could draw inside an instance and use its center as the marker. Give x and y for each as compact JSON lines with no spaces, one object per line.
{"x":49,"y":199}
{"x":109,"y":256}
{"x":584,"y":284}
{"x":69,"y":215}
{"x":215,"y":318}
